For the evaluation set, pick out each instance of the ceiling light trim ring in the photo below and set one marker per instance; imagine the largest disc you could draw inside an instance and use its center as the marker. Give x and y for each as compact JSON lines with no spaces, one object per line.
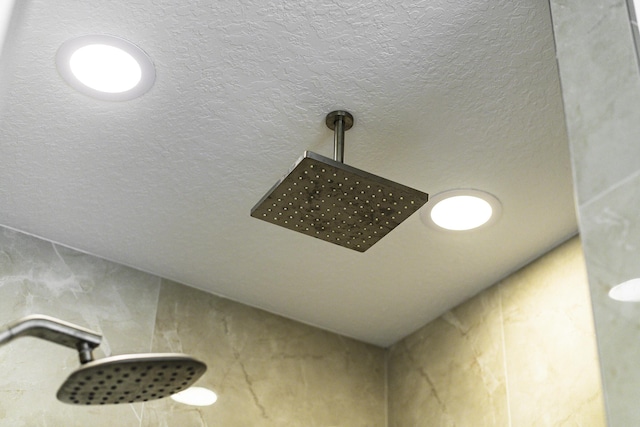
{"x":494,"y":203}
{"x":147,"y":69}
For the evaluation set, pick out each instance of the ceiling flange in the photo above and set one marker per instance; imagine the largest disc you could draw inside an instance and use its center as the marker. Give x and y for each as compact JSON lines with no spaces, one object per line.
{"x":332,"y":117}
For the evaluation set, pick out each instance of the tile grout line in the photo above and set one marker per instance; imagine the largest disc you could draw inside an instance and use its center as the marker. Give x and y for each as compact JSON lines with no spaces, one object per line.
{"x":386,"y":386}
{"x":610,"y":189}
{"x":153,"y":334}
{"x":504,"y":358}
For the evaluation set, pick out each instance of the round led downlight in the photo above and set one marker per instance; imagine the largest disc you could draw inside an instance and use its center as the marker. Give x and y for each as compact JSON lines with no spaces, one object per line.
{"x":461,"y":210}
{"x":105,"y":67}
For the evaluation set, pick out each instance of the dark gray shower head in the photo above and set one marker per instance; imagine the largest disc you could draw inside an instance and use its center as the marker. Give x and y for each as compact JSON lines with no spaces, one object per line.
{"x":130,"y":378}
{"x":329,"y":200}
{"x":118,"y":379}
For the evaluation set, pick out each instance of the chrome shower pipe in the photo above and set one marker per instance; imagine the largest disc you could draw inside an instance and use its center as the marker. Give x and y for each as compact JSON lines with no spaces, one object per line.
{"x":56,"y":331}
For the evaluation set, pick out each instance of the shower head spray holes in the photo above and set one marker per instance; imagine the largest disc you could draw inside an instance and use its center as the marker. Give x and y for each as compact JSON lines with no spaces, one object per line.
{"x":130,"y":379}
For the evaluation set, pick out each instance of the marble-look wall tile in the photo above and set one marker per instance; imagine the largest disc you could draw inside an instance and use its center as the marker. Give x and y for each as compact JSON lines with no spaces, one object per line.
{"x":267,"y":370}
{"x":39,"y":277}
{"x":612,"y":249}
{"x":600,"y":78}
{"x":550,"y":348}
{"x":521,"y":353}
{"x":270,"y":371}
{"x":600,"y":87}
{"x":451,"y":372}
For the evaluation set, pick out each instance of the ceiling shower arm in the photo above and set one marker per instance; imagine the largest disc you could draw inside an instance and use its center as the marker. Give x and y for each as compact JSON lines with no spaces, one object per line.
{"x":339,"y":121}
{"x":338,"y":141}
{"x":56,"y":331}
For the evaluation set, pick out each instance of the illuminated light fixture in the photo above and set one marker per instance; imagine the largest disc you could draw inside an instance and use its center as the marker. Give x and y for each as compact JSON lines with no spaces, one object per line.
{"x":460,"y":210}
{"x":196,"y":396}
{"x":105,"y":67}
{"x":628,"y":291}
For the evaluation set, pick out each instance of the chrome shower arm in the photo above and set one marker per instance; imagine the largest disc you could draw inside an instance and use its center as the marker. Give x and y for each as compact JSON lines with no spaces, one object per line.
{"x":54,"y":330}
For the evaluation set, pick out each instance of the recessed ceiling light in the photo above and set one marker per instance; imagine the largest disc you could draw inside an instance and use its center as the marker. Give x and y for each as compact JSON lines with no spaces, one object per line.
{"x":628,"y":291}
{"x":196,"y":396}
{"x":461,"y":210}
{"x":105,"y":67}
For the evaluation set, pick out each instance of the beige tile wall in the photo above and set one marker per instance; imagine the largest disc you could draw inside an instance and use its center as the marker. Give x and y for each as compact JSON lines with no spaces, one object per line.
{"x":522,"y":353}
{"x":267,"y":370}
{"x":451,"y":372}
{"x":519,"y":354}
{"x":39,"y":277}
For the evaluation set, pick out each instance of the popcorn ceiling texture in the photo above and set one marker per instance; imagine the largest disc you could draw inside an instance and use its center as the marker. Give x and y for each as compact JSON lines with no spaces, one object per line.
{"x":444,"y":94}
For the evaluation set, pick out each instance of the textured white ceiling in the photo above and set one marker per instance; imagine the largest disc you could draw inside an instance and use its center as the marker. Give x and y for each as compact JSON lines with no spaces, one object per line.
{"x":445,"y":95}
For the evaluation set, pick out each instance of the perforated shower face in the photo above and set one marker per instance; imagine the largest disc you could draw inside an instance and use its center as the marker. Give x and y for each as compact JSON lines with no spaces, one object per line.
{"x":130,"y":378}
{"x":337,"y":203}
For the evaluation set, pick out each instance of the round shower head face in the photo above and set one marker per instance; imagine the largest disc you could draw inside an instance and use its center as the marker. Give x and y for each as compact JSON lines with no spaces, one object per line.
{"x":130,"y":378}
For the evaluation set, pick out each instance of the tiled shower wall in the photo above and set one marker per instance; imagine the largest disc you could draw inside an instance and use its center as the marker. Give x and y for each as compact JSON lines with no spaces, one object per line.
{"x":267,"y":370}
{"x":600,"y":78}
{"x":521,"y":353}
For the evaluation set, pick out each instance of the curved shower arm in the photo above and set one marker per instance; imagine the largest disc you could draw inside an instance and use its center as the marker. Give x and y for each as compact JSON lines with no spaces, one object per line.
{"x":54,"y":330}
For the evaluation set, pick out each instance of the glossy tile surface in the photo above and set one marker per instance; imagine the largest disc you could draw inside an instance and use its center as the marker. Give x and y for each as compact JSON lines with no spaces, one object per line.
{"x":612,"y":245}
{"x":266,"y":370}
{"x":600,"y":87}
{"x":550,"y":350}
{"x":527,"y":339}
{"x":600,"y":78}
{"x":522,"y":353}
{"x":451,"y":372}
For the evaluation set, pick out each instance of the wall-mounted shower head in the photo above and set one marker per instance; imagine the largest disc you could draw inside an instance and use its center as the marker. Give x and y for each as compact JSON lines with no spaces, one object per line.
{"x":130,"y":378}
{"x":117,"y":379}
{"x":329,"y":200}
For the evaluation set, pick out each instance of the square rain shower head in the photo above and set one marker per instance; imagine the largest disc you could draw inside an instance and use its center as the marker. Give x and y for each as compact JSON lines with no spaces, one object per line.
{"x":329,"y":200}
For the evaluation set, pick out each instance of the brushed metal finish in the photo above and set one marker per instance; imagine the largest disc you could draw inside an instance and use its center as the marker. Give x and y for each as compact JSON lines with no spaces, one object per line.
{"x":51,"y":329}
{"x":117,"y":379}
{"x":130,"y":378}
{"x":337,"y":203}
{"x":333,"y":116}
{"x":339,"y":122}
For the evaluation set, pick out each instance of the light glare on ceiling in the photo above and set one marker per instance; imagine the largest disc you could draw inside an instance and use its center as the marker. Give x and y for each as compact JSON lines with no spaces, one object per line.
{"x":105,"y":67}
{"x":460,"y":210}
{"x":628,"y":291}
{"x":196,"y":396}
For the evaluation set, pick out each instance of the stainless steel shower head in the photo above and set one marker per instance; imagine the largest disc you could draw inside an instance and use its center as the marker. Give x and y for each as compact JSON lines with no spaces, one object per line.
{"x":130,"y":378}
{"x":111,"y":380}
{"x":331,"y":201}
